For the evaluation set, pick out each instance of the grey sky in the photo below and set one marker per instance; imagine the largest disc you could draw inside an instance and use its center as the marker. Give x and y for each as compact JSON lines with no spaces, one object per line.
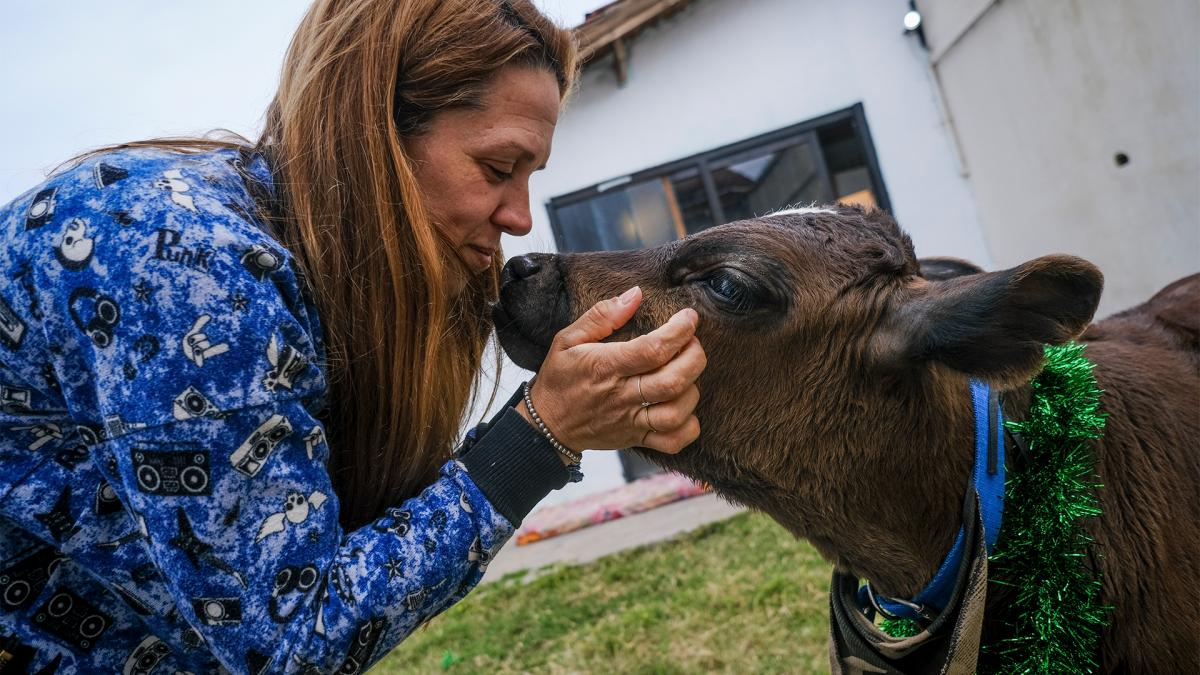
{"x":77,"y":75}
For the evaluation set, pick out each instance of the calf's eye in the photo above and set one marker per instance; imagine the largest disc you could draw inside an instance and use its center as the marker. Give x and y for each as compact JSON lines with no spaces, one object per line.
{"x":730,"y":291}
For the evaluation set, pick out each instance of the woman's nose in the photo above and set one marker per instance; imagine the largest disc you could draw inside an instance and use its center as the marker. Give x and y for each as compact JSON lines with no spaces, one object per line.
{"x":514,"y":220}
{"x":512,"y":216}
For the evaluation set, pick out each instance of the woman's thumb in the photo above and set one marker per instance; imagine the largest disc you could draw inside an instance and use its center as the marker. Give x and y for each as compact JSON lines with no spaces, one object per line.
{"x":602,"y":320}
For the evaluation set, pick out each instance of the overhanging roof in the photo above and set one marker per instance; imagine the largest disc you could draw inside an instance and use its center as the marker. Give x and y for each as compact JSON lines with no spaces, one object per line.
{"x":605,"y":30}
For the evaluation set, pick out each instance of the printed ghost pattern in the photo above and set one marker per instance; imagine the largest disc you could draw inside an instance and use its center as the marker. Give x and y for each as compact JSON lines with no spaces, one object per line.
{"x":295,"y":511}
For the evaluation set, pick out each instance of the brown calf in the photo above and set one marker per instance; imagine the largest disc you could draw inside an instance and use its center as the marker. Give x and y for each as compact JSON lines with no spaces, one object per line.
{"x":835,"y":398}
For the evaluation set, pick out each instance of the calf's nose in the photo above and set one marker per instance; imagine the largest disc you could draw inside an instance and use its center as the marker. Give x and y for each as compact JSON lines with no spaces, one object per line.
{"x":521,"y":267}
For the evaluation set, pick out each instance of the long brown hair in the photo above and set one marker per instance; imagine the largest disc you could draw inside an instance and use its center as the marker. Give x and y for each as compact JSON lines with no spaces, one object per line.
{"x":405,"y":349}
{"x":404,"y":345}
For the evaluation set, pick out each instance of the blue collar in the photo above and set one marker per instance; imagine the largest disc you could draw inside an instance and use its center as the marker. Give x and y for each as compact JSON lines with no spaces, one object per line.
{"x":988,"y":484}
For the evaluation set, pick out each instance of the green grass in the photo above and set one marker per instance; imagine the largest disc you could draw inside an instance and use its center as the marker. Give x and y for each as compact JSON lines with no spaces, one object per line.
{"x":736,"y":596}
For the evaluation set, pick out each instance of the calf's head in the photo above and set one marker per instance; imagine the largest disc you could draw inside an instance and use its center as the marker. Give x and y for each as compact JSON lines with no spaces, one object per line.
{"x":836,"y":371}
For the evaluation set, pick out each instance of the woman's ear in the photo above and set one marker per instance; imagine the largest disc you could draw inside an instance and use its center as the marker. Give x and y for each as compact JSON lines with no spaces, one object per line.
{"x":994,"y":325}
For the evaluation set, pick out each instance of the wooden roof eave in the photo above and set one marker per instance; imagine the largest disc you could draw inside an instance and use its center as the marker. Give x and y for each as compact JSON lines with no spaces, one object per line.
{"x":610,"y":32}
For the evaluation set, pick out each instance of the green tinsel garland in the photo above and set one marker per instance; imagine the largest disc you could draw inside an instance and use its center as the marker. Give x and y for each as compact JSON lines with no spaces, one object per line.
{"x":1043,"y":547}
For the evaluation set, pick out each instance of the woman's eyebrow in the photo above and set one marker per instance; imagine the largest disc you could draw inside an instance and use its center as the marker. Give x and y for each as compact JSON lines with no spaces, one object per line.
{"x":521,"y":151}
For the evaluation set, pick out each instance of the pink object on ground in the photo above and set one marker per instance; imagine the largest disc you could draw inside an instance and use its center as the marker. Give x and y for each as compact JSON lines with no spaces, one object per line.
{"x":640,"y":495}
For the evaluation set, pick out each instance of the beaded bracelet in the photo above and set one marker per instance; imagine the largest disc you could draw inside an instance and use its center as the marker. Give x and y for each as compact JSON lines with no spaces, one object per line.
{"x":562,"y":449}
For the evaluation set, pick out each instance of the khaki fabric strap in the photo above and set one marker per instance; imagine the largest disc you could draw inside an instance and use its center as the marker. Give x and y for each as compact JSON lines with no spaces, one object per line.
{"x":948,"y":646}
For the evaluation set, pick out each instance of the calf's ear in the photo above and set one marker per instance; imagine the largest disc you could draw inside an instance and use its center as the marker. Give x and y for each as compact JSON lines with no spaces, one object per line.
{"x":942,"y":268}
{"x":994,"y":325}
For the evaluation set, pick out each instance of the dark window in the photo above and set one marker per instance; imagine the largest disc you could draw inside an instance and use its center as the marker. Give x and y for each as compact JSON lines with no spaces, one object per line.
{"x":691,"y":199}
{"x":634,"y":215}
{"x":819,"y":161}
{"x":765,"y":179}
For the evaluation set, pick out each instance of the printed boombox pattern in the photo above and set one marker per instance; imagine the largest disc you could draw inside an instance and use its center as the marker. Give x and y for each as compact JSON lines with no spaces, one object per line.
{"x":172,"y":474}
{"x":72,"y":619}
{"x":23,"y":581}
{"x":253,"y":453}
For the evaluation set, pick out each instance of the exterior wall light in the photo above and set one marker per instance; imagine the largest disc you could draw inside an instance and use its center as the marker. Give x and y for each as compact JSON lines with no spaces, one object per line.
{"x":913,"y":23}
{"x":912,"y":20}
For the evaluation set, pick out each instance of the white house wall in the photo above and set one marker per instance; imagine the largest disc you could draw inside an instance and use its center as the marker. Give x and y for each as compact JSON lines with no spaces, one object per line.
{"x":723,"y":71}
{"x":726,"y":70}
{"x":1044,"y":94}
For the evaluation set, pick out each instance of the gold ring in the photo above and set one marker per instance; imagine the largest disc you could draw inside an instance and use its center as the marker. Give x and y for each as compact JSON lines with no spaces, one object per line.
{"x":648,"y":422}
{"x":645,"y":403}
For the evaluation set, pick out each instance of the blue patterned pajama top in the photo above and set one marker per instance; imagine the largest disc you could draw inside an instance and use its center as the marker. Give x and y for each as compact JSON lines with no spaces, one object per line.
{"x":164,"y":500}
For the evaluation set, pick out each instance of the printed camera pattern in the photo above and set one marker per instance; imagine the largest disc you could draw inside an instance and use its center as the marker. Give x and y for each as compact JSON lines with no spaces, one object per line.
{"x":164,"y":502}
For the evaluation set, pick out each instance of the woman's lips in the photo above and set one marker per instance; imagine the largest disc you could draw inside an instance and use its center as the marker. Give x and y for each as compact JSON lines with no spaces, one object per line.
{"x":480,"y":257}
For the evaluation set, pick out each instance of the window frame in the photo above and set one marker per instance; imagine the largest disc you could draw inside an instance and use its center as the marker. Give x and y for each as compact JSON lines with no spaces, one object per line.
{"x":801,"y":132}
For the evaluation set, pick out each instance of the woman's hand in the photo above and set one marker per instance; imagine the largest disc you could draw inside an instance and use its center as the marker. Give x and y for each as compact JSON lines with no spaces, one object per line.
{"x":587,"y":392}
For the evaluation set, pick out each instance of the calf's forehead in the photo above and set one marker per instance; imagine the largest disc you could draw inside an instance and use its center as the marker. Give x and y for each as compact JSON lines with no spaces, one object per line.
{"x":809,"y":239}
{"x":805,"y":246}
{"x":773,"y":238}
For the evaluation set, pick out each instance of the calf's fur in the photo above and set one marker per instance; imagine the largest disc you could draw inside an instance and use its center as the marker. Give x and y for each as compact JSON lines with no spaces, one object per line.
{"x":836,"y":398}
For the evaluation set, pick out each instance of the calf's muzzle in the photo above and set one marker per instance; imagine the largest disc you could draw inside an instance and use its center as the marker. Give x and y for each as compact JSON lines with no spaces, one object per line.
{"x":533,"y":307}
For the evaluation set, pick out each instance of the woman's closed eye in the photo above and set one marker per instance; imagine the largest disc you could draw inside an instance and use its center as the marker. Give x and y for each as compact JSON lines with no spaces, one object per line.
{"x":497,"y":172}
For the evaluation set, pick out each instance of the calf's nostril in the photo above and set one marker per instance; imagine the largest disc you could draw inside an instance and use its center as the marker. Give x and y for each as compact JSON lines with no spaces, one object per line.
{"x":523,"y":267}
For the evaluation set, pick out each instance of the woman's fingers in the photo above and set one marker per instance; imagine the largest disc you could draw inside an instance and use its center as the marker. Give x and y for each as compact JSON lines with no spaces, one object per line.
{"x":673,"y":379}
{"x":675,"y":440}
{"x":670,"y":423}
{"x":650,"y":351}
{"x":600,"y":321}
{"x":668,"y":415}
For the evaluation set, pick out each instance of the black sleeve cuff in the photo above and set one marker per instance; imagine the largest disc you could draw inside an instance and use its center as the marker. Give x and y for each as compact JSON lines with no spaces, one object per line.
{"x":512,"y":463}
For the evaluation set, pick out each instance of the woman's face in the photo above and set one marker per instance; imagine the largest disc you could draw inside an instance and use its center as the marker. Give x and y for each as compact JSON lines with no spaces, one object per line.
{"x":474,"y":164}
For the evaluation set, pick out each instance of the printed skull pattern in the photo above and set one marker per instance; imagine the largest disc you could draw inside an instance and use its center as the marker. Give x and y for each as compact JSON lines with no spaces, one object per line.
{"x":164,"y":502}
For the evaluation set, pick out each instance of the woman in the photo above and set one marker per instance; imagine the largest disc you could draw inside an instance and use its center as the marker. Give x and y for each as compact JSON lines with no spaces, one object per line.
{"x":231,"y":376}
